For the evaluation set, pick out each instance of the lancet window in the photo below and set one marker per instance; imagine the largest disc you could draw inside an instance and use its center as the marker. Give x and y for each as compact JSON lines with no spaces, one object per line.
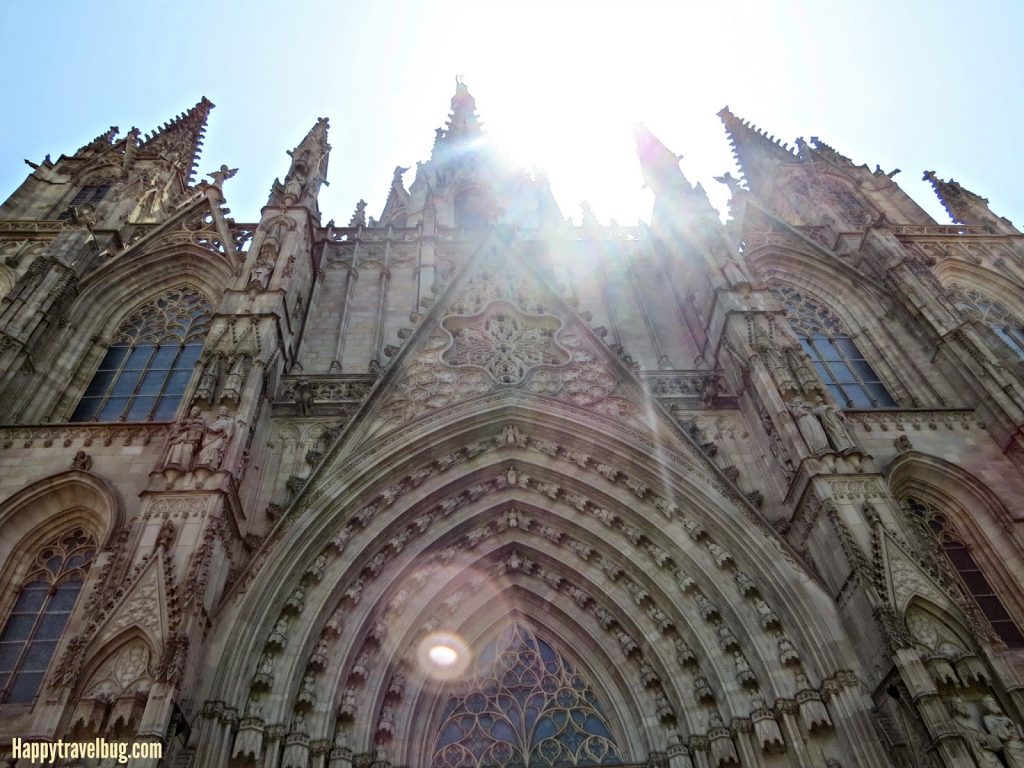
{"x":146,"y":370}
{"x":87,"y":195}
{"x":971,"y":579}
{"x":980,"y":307}
{"x":836,"y":357}
{"x":41,"y":610}
{"x":524,"y":706}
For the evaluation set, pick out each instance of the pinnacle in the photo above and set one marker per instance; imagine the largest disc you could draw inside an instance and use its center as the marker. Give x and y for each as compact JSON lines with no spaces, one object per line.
{"x":754,"y":148}
{"x":318,"y":133}
{"x":182,"y":135}
{"x":659,"y":164}
{"x":953,"y":196}
{"x":463,"y":119}
{"x":105,"y":139}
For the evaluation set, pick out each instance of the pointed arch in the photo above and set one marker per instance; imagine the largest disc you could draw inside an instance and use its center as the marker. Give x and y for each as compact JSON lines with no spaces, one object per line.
{"x":337,"y":587}
{"x":976,"y":299}
{"x":528,"y":704}
{"x":969,"y":525}
{"x":835,"y":354}
{"x":147,"y":368}
{"x":114,"y":685}
{"x":106,"y":298}
{"x":36,"y":520}
{"x":933,"y":627}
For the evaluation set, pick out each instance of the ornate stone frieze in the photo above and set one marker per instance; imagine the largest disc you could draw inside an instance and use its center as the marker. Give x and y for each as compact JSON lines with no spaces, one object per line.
{"x":885,"y":421}
{"x":84,"y":435}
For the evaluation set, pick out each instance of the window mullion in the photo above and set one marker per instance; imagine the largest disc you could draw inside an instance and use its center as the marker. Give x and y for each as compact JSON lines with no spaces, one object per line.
{"x":163,"y":383}
{"x":27,"y":642}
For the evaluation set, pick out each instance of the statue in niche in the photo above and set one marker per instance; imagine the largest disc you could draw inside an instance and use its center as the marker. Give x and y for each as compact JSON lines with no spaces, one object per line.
{"x":188,"y":435}
{"x":303,"y":397}
{"x":834,"y":426}
{"x":235,"y":379}
{"x":215,"y":442}
{"x":810,"y":428}
{"x":294,"y":186}
{"x":208,"y":381}
{"x":1007,"y":732}
{"x":978,"y":741}
{"x":262,"y":269}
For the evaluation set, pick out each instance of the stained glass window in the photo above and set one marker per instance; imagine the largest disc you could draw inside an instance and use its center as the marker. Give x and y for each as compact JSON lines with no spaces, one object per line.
{"x":41,"y":610}
{"x":972,"y":580}
{"x":840,"y":364}
{"x":524,"y":706}
{"x":978,"y":306}
{"x":147,"y":369}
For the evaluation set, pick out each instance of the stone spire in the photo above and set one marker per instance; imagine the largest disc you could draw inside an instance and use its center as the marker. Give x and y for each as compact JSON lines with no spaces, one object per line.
{"x":661,"y":171}
{"x":102,"y":142}
{"x":398,"y":200}
{"x":359,"y":216}
{"x":462,"y":130}
{"x":308,"y":170}
{"x":181,"y":139}
{"x":463,"y":121}
{"x":757,"y":153}
{"x":660,"y":166}
{"x":962,"y":205}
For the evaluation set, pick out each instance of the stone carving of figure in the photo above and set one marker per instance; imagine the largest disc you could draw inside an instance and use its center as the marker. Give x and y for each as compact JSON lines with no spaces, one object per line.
{"x":834,"y":426}
{"x":215,"y":444}
{"x":978,"y":741}
{"x":235,"y":379}
{"x":810,"y":428}
{"x":262,"y":270}
{"x":209,"y":380}
{"x":295,"y":185}
{"x":182,"y":450}
{"x":805,"y":375}
{"x":303,"y":398}
{"x":222,"y":175}
{"x":1005,"y":730}
{"x":766,"y":727}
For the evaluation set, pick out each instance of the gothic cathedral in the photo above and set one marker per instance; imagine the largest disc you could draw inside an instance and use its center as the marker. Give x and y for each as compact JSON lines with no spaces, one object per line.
{"x":467,"y":485}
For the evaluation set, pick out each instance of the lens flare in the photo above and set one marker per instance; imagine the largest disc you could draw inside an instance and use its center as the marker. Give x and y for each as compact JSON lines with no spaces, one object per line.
{"x":443,"y":655}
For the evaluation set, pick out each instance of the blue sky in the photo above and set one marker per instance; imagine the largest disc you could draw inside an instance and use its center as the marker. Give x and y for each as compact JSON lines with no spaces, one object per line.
{"x":559,"y":85}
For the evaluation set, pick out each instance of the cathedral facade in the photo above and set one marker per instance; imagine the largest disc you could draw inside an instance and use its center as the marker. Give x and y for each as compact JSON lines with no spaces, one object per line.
{"x":469,"y":485}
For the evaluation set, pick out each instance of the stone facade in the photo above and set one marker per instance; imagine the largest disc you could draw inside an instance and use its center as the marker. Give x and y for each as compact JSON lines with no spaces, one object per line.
{"x":469,"y":485}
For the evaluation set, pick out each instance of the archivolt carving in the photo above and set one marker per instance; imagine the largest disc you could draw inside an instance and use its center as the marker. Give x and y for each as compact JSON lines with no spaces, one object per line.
{"x":511,"y":475}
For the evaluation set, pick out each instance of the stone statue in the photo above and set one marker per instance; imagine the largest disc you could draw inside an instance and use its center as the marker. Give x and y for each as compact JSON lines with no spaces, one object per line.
{"x":834,"y":425}
{"x":215,"y":443}
{"x":222,"y":175}
{"x":303,"y":398}
{"x":208,"y":381}
{"x":978,"y":741}
{"x":294,"y":186}
{"x":261,"y":271}
{"x":186,"y":439}
{"x":810,"y":428}
{"x":1005,"y":730}
{"x":235,"y":378}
